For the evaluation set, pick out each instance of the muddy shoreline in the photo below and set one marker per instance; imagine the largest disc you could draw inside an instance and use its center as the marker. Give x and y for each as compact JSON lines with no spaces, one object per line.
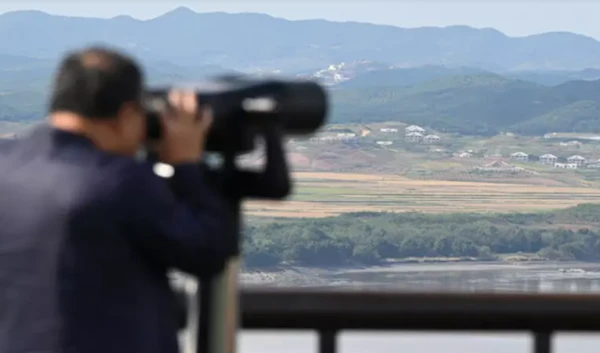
{"x":287,"y":276}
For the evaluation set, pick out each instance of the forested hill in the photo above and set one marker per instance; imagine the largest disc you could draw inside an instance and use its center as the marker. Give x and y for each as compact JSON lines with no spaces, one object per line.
{"x":473,"y":104}
{"x":479,"y":104}
{"x":369,"y":74}
{"x":476,"y":104}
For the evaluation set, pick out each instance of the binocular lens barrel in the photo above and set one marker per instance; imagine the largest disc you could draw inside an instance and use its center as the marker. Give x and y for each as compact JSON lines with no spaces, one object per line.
{"x":243,"y":105}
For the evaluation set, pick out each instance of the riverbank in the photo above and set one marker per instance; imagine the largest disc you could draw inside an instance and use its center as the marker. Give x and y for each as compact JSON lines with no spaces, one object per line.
{"x":505,"y":258}
{"x":302,"y":276}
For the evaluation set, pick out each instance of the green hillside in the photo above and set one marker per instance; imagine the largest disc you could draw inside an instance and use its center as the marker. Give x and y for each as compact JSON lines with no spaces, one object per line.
{"x":477,"y":104}
{"x":398,"y":77}
{"x":407,"y":76}
{"x":580,"y":116}
{"x":24,"y":89}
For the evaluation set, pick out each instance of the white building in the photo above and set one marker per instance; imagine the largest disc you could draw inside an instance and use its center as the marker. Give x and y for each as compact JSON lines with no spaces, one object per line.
{"x":431,"y":138}
{"x":576,"y":159}
{"x":566,"y":165}
{"x":465,"y":155}
{"x":438,"y":150}
{"x":572,"y":143}
{"x":332,"y":138}
{"x":414,"y":137}
{"x":346,"y":134}
{"x":520,"y":156}
{"x":499,"y":166}
{"x":384,"y":143}
{"x":548,"y":159}
{"x":388,"y":129}
{"x":414,"y":128}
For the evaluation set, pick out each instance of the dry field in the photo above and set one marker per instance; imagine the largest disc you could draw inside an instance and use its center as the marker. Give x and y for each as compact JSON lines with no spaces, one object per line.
{"x":329,"y":194}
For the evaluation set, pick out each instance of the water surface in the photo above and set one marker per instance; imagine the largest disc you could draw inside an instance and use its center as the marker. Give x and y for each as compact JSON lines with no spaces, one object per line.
{"x":465,"y":277}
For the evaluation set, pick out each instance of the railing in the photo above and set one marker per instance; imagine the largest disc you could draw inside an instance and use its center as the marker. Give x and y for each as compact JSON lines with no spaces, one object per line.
{"x":329,"y":312}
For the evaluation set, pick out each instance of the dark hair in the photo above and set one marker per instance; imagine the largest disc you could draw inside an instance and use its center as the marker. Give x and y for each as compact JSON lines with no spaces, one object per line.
{"x":95,"y":83}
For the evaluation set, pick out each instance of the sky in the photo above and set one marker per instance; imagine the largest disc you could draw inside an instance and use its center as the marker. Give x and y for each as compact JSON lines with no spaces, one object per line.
{"x":513,"y":17}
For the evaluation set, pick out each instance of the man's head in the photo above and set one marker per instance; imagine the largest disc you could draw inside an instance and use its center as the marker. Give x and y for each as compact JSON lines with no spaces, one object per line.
{"x":97,"y":92}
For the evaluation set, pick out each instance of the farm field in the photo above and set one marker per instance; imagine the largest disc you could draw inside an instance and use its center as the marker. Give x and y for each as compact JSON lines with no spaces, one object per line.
{"x":329,"y":194}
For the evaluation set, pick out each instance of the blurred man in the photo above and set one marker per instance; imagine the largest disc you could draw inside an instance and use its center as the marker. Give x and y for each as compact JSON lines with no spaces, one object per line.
{"x":87,"y":233}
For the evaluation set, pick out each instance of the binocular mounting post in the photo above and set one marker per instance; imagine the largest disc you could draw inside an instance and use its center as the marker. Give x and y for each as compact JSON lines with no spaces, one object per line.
{"x":217,"y":302}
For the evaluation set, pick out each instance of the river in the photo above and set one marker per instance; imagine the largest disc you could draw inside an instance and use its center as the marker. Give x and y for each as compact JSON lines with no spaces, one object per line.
{"x":469,"y":277}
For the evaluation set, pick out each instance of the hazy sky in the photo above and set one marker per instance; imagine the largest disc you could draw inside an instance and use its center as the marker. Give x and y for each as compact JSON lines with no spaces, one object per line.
{"x":512,"y":17}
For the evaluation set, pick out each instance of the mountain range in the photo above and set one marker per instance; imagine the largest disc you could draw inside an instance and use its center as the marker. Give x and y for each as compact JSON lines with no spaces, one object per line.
{"x":250,"y":41}
{"x":454,"y":79}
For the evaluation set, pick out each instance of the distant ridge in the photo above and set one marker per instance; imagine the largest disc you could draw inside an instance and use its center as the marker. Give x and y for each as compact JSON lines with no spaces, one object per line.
{"x":249,"y":41}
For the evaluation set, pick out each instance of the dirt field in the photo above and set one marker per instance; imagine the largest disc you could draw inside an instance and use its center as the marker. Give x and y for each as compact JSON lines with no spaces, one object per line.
{"x":329,"y":194}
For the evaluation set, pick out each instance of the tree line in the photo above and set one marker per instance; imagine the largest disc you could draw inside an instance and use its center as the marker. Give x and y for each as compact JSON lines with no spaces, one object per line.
{"x":372,"y":238}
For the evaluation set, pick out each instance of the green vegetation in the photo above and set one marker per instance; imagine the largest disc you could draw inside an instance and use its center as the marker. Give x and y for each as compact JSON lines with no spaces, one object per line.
{"x":372,"y":238}
{"x":473,"y":103}
{"x":396,"y":77}
{"x":407,"y":76}
{"x":581,"y":116}
{"x":476,"y":105}
{"x":466,"y":101}
{"x":24,"y":87}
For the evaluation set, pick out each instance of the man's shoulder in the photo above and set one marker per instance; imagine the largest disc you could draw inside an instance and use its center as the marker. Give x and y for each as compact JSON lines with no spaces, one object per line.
{"x":121,"y":171}
{"x":125,"y":166}
{"x":6,"y":144}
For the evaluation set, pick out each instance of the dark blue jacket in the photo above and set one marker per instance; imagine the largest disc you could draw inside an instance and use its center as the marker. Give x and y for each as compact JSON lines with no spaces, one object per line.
{"x":86,"y":239}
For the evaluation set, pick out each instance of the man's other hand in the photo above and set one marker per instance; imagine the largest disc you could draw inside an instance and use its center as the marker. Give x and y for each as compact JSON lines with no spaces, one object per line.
{"x":185,"y":128}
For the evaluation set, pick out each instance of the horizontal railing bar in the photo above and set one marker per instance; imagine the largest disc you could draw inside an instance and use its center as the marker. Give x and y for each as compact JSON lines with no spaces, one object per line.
{"x":365,"y":310}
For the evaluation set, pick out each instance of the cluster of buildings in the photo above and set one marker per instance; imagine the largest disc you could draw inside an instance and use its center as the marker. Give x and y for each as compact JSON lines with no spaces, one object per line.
{"x":572,"y":162}
{"x":340,"y":136}
{"x":412,"y":134}
{"x":416,"y":133}
{"x":499,"y":166}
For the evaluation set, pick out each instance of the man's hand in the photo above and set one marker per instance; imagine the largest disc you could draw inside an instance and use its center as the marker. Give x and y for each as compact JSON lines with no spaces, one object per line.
{"x":184,"y":129}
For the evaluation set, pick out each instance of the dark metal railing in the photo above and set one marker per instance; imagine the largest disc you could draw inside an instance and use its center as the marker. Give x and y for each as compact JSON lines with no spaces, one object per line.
{"x":329,"y":312}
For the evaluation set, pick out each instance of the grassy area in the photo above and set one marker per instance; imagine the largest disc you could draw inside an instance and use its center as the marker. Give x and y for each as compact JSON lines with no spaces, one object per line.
{"x":328,"y":194}
{"x":435,"y":160}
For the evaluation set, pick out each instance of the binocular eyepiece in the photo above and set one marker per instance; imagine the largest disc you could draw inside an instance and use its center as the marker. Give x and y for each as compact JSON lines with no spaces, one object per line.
{"x":242,"y":106}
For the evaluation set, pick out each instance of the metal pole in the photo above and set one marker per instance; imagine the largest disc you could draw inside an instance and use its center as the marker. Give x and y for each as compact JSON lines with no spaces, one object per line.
{"x":224,"y":311}
{"x":327,"y":341}
{"x":218,"y":309}
{"x":218,"y":323}
{"x":187,"y":338}
{"x":542,"y":342}
{"x":218,"y":302}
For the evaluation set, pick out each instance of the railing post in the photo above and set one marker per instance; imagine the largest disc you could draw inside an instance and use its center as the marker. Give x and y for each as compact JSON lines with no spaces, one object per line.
{"x":327,"y":341}
{"x":328,"y":313}
{"x":542,"y":342}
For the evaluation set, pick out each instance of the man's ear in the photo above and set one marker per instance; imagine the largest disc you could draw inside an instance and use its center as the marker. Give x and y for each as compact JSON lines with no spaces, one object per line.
{"x":124,"y":114}
{"x":126,"y":109}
